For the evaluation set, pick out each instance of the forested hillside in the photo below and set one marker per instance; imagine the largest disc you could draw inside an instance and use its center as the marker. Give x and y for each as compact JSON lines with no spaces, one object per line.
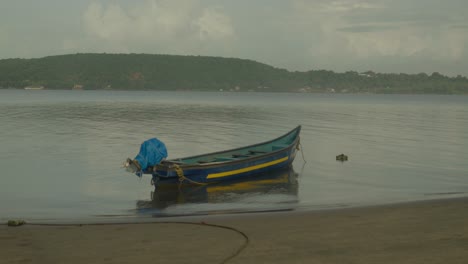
{"x":171,"y":72}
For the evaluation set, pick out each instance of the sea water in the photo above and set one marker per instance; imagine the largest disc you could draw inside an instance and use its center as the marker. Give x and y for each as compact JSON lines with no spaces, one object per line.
{"x":61,"y":151}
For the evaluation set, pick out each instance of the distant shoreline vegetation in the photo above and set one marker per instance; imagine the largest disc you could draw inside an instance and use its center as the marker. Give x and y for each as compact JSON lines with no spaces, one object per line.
{"x":202,"y":73}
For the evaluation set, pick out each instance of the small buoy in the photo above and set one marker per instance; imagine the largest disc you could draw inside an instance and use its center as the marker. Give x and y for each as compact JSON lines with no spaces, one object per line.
{"x":16,"y":222}
{"x":342,"y":157}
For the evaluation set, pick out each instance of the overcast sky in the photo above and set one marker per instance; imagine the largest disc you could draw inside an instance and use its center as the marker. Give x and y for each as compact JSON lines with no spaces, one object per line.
{"x":409,"y":36}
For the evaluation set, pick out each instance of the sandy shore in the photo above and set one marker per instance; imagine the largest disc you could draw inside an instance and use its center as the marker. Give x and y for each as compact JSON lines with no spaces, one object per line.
{"x":420,"y":232}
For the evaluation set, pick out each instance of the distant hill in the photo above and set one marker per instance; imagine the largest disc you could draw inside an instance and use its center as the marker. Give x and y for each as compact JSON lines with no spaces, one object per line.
{"x":201,"y":73}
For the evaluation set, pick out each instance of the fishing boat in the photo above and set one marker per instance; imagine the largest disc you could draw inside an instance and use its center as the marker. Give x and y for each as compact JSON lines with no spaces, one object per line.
{"x":238,"y":163}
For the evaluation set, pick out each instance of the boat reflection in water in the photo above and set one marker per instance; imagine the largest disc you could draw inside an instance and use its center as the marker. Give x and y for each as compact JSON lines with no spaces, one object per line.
{"x":273,"y":191}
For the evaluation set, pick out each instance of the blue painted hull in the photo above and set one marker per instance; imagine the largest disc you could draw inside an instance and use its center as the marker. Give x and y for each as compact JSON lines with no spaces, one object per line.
{"x":232,"y":164}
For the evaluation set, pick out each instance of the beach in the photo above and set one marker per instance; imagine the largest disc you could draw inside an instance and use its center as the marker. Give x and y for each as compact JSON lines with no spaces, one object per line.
{"x":434,"y":231}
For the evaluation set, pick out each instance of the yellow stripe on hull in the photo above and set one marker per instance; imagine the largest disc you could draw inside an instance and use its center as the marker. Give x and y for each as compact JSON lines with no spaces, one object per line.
{"x":251,"y":168}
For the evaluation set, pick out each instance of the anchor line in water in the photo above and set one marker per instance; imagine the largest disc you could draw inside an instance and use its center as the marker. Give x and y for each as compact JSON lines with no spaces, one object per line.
{"x":299,"y":147}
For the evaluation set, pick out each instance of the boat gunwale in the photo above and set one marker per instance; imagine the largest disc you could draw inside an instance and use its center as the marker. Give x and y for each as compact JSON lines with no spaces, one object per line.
{"x":169,"y":163}
{"x":215,"y":164}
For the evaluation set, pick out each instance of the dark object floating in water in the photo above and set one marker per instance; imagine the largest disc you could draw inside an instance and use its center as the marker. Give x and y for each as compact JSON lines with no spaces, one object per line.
{"x":226,"y":165}
{"x":342,"y":157}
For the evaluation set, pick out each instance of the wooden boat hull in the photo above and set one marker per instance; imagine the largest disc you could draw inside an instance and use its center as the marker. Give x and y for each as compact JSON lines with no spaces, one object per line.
{"x":230,"y":165}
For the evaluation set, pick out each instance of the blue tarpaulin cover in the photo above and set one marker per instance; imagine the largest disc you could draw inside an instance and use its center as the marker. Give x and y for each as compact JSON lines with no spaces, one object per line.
{"x":152,"y":152}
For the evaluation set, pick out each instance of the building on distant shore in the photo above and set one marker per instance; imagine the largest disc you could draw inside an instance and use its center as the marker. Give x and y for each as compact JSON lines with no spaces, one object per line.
{"x":34,"y":88}
{"x":77,"y":87}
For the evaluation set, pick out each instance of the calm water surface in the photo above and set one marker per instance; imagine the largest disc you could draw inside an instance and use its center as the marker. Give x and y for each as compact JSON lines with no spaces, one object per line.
{"x":61,"y":151}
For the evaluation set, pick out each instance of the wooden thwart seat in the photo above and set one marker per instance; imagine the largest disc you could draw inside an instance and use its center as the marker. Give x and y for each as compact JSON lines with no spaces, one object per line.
{"x":241,"y":155}
{"x":256,"y":152}
{"x":218,"y":159}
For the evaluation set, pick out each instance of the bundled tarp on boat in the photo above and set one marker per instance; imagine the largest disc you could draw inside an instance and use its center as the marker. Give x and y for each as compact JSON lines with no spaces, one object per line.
{"x":152,"y":152}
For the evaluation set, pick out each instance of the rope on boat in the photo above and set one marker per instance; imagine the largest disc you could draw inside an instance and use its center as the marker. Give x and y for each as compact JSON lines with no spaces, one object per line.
{"x":182,"y":178}
{"x":299,"y":147}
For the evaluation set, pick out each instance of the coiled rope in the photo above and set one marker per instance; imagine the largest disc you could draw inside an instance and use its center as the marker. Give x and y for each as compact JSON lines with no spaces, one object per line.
{"x":182,"y":178}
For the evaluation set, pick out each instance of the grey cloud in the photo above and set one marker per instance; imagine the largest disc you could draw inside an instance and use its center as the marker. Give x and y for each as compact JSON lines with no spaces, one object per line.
{"x":460,"y":27}
{"x":422,"y":12}
{"x":366,"y":28}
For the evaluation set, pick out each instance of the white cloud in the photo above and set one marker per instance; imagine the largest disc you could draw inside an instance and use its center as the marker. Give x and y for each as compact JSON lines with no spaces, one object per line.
{"x":110,"y":23}
{"x":346,"y":6}
{"x":213,"y":24}
{"x":161,"y":26}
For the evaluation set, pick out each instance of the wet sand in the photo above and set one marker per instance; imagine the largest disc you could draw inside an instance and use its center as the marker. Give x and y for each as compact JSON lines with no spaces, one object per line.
{"x":419,"y":232}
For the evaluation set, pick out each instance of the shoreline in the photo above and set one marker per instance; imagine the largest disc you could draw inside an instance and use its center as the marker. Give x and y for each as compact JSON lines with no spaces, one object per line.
{"x":144,"y":219}
{"x":235,"y":92}
{"x":428,"y":231}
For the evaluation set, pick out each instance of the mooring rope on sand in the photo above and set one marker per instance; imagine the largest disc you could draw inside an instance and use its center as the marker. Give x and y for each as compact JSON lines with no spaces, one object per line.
{"x":236,"y":253}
